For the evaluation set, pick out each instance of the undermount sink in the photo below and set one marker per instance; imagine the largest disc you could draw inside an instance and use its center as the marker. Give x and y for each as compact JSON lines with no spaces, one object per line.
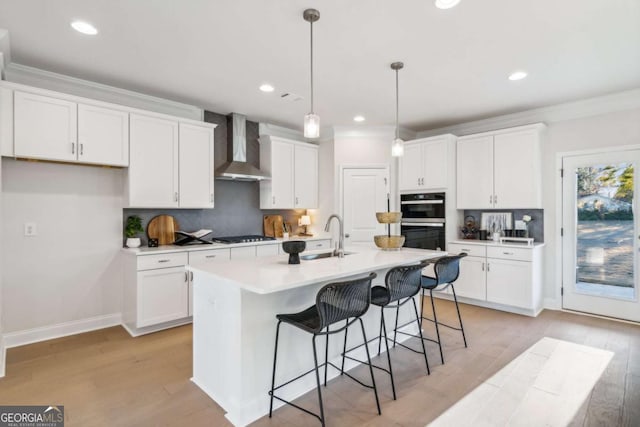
{"x":311,"y":257}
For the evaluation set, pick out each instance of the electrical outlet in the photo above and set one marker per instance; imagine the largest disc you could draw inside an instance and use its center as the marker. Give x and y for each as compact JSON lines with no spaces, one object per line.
{"x":30,"y":229}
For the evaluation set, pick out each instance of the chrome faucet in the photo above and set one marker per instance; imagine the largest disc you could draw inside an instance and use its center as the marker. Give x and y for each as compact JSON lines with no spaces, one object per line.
{"x":327,"y":227}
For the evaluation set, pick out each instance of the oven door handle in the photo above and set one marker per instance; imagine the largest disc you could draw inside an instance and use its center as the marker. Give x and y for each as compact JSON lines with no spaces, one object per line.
{"x":423,"y":202}
{"x":422,"y":224}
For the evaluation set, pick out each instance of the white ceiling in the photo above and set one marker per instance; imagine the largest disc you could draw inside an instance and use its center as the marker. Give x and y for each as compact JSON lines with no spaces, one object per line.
{"x":215,"y":53}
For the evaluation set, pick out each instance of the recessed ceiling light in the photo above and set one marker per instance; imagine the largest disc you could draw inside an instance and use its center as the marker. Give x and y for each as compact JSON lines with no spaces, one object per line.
{"x":518,"y":75}
{"x":266,"y":87}
{"x":84,"y":28}
{"x":446,"y":4}
{"x":358,"y":119}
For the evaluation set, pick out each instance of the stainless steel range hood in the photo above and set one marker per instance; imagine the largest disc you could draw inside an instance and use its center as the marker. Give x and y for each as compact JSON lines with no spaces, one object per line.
{"x":237,"y":167}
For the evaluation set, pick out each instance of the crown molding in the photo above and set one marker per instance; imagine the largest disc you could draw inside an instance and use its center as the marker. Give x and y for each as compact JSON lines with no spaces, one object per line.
{"x":30,"y":76}
{"x":386,"y":132}
{"x":619,"y":101}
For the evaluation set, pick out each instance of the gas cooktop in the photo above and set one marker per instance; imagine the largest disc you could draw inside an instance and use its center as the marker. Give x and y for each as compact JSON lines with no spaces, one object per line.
{"x":242,"y":239}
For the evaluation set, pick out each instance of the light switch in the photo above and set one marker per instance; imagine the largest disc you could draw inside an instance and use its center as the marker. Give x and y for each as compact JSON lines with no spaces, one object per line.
{"x":30,"y":229}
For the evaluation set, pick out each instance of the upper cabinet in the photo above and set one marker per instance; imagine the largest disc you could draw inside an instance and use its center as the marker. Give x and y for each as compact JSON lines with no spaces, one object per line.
{"x":501,"y":169}
{"x":294,"y":174}
{"x":426,"y":163}
{"x":171,"y":164}
{"x":58,"y":129}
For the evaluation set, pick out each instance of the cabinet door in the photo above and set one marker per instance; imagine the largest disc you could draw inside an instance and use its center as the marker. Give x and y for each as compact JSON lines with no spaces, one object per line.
{"x":509,"y":282}
{"x":162,"y":296}
{"x":282,"y":158}
{"x":475,"y":173}
{"x":196,"y":166}
{"x":267,"y":250}
{"x":472,"y":280}
{"x":436,"y":165}
{"x":306,"y":177}
{"x":103,"y":136}
{"x":411,"y":168}
{"x":517,"y":170}
{"x":243,"y":252}
{"x":45,"y":128}
{"x":153,"y":163}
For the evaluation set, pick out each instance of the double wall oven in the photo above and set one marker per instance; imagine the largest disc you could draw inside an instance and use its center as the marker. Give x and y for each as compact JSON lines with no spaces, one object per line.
{"x":423,"y":223}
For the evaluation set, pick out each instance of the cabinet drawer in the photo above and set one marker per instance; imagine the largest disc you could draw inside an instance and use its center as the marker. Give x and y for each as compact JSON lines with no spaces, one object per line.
{"x":266,"y":250}
{"x":315,"y":245}
{"x":518,"y":254}
{"x":206,"y":257}
{"x":472,"y":250}
{"x":243,"y":252}
{"x":148,"y":262}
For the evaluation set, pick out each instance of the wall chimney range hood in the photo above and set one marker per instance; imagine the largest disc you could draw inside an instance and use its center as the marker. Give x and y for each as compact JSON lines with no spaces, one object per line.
{"x":237,"y":167}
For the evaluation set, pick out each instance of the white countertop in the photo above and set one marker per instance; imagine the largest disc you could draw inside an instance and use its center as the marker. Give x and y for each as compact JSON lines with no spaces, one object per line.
{"x":492,"y":243}
{"x":273,"y":274}
{"x":143,"y":250}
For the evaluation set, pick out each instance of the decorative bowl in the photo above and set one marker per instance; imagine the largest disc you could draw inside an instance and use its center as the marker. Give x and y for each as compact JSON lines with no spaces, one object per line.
{"x":388,"y":242}
{"x":293,"y":248}
{"x":389,"y":217}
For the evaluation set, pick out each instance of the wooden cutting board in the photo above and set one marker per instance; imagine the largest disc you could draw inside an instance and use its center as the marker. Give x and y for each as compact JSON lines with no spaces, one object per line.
{"x":163,"y":228}
{"x":272,"y":225}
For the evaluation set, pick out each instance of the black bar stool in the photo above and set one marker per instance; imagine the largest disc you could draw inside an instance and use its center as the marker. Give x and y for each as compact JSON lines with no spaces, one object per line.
{"x":402,"y":284}
{"x":335,"y":302}
{"x":447,"y":270}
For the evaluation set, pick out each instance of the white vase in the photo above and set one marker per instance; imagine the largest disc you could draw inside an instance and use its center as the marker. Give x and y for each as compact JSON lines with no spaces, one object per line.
{"x":133,"y":242}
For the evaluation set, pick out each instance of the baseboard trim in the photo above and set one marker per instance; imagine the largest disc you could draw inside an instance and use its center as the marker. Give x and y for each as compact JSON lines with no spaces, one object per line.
{"x":30,"y":336}
{"x":552,"y":304}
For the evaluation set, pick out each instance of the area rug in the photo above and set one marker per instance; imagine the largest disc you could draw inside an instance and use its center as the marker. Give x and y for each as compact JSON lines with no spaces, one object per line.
{"x":544,"y":386}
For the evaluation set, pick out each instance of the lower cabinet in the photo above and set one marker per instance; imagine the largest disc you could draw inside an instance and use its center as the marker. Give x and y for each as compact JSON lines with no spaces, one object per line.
{"x":497,"y":274}
{"x":163,"y":296}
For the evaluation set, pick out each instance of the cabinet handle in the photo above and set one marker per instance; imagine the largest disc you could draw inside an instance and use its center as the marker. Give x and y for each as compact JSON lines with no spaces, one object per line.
{"x":211,"y":256}
{"x":82,"y":149}
{"x":490,"y":199}
{"x":191,"y":276}
{"x":73,"y":148}
{"x":488,"y":267}
{"x":318,"y":245}
{"x":211,"y":198}
{"x":186,"y":276}
{"x":274,"y":200}
{"x":483,"y":266}
{"x":507,"y":253}
{"x":495,"y":199}
{"x":296,"y":200}
{"x":164,"y":260}
{"x":465,"y":250}
{"x":175,"y":196}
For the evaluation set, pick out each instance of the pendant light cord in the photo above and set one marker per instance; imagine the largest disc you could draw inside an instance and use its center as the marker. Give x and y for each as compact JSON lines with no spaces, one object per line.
{"x":311,"y":66}
{"x":397,"y":107}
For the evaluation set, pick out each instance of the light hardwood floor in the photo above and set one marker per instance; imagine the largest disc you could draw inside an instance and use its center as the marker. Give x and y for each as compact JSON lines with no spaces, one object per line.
{"x":108,"y":378}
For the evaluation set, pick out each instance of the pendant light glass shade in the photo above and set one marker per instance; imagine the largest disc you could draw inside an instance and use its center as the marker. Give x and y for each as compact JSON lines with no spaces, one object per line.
{"x":311,"y":120}
{"x":397,"y":148}
{"x":311,"y":125}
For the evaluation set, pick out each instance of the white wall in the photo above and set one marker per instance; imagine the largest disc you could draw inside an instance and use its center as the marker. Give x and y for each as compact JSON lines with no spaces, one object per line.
{"x":2,"y":349}
{"x":71,"y":270}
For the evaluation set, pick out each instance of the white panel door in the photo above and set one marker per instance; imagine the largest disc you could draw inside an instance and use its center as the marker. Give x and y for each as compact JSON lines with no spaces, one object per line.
{"x":517,"y":179}
{"x":153,"y":163}
{"x":411,"y":168}
{"x":472,"y":282}
{"x":196,"y":166}
{"x":103,"y":136}
{"x":364,"y":193}
{"x":306,"y":177}
{"x":163,"y":295}
{"x":509,"y":282}
{"x":475,"y":173}
{"x":282,"y":176}
{"x":600,"y":244}
{"x":45,"y":128}
{"x":436,"y":165}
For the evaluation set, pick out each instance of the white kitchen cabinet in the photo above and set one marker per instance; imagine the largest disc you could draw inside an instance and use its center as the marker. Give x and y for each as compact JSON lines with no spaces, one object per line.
{"x":6,"y":122}
{"x":504,"y":277}
{"x":152,"y":180}
{"x":200,"y":258}
{"x":425,"y":164}
{"x":103,"y":136}
{"x":243,"y":252}
{"x":44,"y":127}
{"x":293,"y":167}
{"x":162,"y":296}
{"x":501,"y":169}
{"x":267,"y":250}
{"x":195,"y":166}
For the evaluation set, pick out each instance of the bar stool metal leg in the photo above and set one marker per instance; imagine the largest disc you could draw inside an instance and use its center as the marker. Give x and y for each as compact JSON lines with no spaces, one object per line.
{"x":395,"y":329}
{"x":344,"y":347}
{"x":419,"y":321}
{"x":373,"y":380}
{"x":464,"y":338}
{"x":326,"y":357}
{"x":435,"y":322}
{"x":273,"y":376}
{"x":315,"y":362}
{"x":380,"y":332}
{"x":386,"y":343}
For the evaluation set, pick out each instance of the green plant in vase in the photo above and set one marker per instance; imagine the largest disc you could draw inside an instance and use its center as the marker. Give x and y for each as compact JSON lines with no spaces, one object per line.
{"x":132,"y":228}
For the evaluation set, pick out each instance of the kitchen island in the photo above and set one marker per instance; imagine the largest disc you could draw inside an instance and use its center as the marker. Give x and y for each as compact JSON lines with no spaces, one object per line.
{"x":234,"y":323}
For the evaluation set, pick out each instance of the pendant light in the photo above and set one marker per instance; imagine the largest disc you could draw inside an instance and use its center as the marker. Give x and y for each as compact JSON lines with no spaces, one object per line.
{"x":311,"y":120}
{"x":397,"y":148}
